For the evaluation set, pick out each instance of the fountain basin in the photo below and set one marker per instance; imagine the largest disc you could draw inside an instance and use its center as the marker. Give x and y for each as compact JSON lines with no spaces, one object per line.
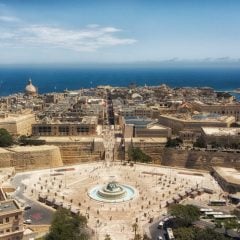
{"x":112,"y":192}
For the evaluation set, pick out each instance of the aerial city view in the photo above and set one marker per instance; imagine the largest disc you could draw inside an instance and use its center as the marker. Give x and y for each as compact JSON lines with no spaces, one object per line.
{"x":119,"y":120}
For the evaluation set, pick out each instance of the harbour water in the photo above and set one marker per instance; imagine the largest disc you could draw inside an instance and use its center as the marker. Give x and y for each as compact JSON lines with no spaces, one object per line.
{"x":56,"y":79}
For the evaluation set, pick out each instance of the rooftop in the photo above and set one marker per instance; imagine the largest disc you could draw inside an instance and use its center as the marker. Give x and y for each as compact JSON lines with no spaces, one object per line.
{"x":221,"y":131}
{"x":230,"y":175}
{"x":15,"y":118}
{"x":8,"y":206}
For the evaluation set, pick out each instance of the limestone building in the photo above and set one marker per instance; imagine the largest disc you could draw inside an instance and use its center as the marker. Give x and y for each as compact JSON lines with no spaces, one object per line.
{"x":87,"y":126}
{"x":229,"y":109}
{"x":221,"y":136}
{"x":17,"y":124}
{"x":142,"y":127}
{"x":194,"y":123}
{"x":11,"y":219}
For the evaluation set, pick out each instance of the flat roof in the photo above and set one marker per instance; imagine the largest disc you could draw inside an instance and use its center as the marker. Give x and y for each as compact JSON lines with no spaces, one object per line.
{"x":186,"y":118}
{"x":157,"y":126}
{"x":15,"y":118}
{"x":230,"y":175}
{"x":146,"y":140}
{"x":8,"y":206}
{"x":221,"y":131}
{"x":70,"y":139}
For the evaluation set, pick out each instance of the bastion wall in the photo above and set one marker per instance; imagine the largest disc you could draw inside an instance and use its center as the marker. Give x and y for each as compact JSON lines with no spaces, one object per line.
{"x":30,"y":157}
{"x":199,"y":159}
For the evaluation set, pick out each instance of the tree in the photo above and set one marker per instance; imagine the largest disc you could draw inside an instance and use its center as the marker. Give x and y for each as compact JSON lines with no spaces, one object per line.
{"x":6,"y":139}
{"x":66,"y":226}
{"x":135,"y":228}
{"x":200,"y":142}
{"x":138,"y":237}
{"x":231,"y":224}
{"x":172,"y":143}
{"x":185,"y":214}
{"x":145,"y":237}
{"x":184,"y":233}
{"x":25,"y":140}
{"x":137,"y":155}
{"x":191,"y":233}
{"x":206,"y":234}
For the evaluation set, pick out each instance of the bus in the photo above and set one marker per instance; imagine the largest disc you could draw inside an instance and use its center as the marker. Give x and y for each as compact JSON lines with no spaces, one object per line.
{"x":170,"y":235}
{"x":203,"y":210}
{"x":213,"y":213}
{"x":217,"y":203}
{"x":224,"y":216}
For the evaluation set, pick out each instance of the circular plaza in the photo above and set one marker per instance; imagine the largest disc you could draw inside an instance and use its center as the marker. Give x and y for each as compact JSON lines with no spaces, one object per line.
{"x":137,"y":193}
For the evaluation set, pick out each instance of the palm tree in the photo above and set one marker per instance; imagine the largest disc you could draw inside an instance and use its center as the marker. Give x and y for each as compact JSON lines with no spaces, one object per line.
{"x":135,"y":227}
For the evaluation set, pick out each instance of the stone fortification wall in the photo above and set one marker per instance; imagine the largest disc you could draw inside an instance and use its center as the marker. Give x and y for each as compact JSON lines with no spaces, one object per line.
{"x":77,"y":150}
{"x":199,"y":159}
{"x":31,"y":157}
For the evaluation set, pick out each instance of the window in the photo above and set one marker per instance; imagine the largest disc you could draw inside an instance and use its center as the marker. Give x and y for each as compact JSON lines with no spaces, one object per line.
{"x":16,"y":217}
{"x":7,"y":219}
{"x":1,"y":221}
{"x":8,"y":230}
{"x":63,"y":129}
{"x":44,"y":129}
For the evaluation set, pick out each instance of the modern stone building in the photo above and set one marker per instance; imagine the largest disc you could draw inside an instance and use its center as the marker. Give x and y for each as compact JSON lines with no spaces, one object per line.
{"x":194,"y":123}
{"x":87,"y":126}
{"x":228,"y":178}
{"x":11,"y":219}
{"x":221,"y":136}
{"x":229,"y":109}
{"x":142,"y":127}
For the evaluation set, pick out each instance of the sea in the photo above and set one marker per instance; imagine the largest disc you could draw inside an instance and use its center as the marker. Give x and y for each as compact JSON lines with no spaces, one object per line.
{"x":57,"y":79}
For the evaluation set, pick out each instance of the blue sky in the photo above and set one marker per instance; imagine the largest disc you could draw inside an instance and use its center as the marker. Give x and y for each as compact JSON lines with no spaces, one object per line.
{"x":109,"y":31}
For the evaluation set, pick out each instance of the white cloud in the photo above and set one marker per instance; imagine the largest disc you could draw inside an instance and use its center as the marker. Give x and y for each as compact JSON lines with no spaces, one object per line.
{"x":90,"y":38}
{"x":8,"y":19}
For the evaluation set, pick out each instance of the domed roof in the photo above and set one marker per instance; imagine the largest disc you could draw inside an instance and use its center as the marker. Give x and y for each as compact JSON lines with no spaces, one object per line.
{"x":30,"y":89}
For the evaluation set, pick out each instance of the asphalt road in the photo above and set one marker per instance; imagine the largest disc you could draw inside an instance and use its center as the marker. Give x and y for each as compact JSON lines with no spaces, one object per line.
{"x":38,"y":214}
{"x":155,"y":232}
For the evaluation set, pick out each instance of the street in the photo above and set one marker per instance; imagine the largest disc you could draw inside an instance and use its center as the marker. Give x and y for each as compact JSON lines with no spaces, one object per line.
{"x":38,"y":214}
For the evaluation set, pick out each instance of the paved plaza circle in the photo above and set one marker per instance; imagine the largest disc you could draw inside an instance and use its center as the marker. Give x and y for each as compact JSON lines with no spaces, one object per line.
{"x":129,"y":193}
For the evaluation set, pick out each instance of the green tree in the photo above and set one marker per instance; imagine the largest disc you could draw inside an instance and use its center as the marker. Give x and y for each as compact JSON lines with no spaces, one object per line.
{"x":66,"y":226}
{"x":200,"y":142}
{"x":6,"y":139}
{"x":231,"y":224}
{"x":184,"y":233}
{"x":172,"y":143}
{"x":207,"y":234}
{"x":186,"y":214}
{"x":137,"y":155}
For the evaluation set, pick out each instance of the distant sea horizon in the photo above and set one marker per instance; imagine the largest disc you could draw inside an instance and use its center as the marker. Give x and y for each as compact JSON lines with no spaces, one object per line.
{"x":56,"y":79}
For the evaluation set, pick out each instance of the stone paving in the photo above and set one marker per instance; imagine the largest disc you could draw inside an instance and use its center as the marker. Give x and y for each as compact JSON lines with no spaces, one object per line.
{"x":155,"y":185}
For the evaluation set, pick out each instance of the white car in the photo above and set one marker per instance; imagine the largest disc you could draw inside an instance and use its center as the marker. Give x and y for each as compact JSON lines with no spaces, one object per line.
{"x":159,"y":238}
{"x":28,"y":221}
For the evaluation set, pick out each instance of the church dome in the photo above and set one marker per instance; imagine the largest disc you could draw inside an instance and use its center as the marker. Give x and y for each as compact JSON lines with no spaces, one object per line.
{"x":30,"y":89}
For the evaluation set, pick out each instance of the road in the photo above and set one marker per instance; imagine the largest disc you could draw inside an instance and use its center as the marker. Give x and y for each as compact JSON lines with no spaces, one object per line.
{"x":155,"y":232}
{"x":39,"y":214}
